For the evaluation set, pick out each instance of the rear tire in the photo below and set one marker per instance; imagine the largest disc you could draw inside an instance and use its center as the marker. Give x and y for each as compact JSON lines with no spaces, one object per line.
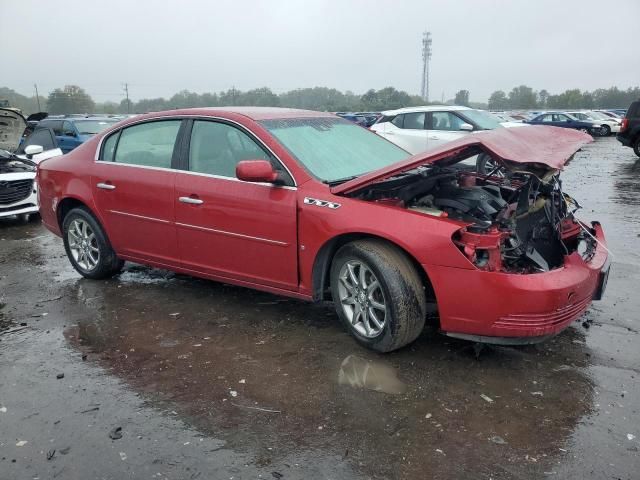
{"x":378,"y":294}
{"x":605,"y":130}
{"x":87,"y":246}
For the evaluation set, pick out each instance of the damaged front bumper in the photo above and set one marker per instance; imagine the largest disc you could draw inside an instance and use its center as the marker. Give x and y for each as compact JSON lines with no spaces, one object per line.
{"x":510,"y":308}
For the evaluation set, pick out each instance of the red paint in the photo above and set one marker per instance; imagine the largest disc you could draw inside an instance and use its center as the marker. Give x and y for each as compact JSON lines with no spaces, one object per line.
{"x":266,"y":237}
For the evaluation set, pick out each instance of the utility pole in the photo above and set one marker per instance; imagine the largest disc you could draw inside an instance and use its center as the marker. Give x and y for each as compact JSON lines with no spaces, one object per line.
{"x":126,"y":91}
{"x":35,"y":85}
{"x":426,"y":57}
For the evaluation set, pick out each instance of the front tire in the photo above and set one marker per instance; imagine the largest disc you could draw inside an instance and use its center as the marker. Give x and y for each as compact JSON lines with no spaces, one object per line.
{"x":88,"y":247}
{"x":378,"y":294}
{"x":605,"y":130}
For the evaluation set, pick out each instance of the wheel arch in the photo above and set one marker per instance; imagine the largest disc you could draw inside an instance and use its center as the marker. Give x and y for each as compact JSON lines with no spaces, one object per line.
{"x":324,"y":257}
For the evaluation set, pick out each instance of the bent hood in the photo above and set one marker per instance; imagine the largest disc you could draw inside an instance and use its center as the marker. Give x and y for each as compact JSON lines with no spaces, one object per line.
{"x":12,"y":125}
{"x":544,"y":146}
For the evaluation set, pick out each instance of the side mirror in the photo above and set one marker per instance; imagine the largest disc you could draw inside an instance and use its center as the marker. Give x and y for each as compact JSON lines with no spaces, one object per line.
{"x":32,"y":150}
{"x":256,"y":171}
{"x":466,"y":127}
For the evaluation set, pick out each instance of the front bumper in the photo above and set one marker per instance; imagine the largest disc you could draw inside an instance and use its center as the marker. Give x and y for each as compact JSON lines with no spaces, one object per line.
{"x":497,"y":307}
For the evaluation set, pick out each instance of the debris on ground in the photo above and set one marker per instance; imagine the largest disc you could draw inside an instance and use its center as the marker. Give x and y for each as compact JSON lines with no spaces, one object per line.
{"x":498,"y":440}
{"x":486,"y":398}
{"x":123,"y":456}
{"x":51,"y":453}
{"x":21,"y":443}
{"x":60,"y":376}
{"x":630,"y":436}
{"x":3,"y":409}
{"x":115,"y":433}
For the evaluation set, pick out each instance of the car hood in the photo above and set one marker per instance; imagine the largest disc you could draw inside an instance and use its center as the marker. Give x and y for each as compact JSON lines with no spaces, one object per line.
{"x":12,"y":125}
{"x":544,"y":146}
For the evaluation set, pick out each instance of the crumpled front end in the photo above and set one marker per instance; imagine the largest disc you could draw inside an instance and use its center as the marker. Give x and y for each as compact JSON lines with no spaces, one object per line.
{"x":500,"y":307}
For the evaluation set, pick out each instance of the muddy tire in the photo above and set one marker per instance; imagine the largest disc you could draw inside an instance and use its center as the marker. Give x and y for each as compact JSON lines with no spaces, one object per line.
{"x":378,"y":294}
{"x":87,"y":246}
{"x":636,"y":146}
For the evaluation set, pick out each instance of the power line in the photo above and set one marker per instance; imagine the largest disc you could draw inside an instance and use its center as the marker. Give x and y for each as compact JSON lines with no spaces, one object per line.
{"x":126,"y":91}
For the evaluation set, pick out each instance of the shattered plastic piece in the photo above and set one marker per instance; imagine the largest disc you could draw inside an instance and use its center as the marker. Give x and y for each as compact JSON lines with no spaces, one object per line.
{"x":233,"y":393}
{"x":630,"y":436}
{"x":3,"y":409}
{"x":538,"y":394}
{"x":21,"y":443}
{"x":498,"y":440}
{"x":486,"y":399}
{"x":116,"y":433}
{"x":440,"y":451}
{"x":123,"y":456}
{"x":242,"y":381}
{"x":428,"y":415}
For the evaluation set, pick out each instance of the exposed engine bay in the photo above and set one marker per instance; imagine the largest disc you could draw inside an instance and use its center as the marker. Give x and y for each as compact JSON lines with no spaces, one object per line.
{"x":518,"y":219}
{"x":10,"y":163}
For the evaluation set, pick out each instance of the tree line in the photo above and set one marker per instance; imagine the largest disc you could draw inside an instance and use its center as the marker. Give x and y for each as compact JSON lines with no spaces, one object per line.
{"x":74,"y":99}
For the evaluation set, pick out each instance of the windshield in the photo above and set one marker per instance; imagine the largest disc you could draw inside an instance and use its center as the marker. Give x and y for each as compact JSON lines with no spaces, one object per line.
{"x":482,"y":119}
{"x":91,"y":127}
{"x":334,"y":149}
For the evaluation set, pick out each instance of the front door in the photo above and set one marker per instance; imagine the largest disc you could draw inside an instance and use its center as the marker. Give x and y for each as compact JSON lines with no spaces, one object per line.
{"x":227,"y":227}
{"x":443,"y":127}
{"x":133,"y":187}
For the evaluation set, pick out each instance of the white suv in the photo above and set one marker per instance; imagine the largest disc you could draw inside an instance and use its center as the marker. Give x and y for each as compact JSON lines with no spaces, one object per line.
{"x":417,"y":129}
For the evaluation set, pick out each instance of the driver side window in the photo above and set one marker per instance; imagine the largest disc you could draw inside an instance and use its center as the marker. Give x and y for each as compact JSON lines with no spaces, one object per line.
{"x":216,"y":148}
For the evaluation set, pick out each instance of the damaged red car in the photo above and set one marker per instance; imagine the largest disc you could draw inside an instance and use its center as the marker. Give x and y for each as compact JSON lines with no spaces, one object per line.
{"x":309,"y":205}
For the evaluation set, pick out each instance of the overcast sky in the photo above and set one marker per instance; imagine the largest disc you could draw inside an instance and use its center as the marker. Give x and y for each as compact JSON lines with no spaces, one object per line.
{"x":160,"y":47}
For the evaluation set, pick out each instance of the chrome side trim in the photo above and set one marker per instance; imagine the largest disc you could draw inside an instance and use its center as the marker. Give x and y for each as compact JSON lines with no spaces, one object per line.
{"x":142,"y":217}
{"x":234,"y":179}
{"x":232,"y":234}
{"x":203,"y":117}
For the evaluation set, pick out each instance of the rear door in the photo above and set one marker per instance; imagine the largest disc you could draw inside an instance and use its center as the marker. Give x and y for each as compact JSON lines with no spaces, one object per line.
{"x":227,"y":227}
{"x":133,"y":185}
{"x":407,"y":131}
{"x":443,"y":127}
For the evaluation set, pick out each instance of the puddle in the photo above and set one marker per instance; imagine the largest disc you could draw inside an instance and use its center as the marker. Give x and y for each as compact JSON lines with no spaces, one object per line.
{"x":373,"y":375}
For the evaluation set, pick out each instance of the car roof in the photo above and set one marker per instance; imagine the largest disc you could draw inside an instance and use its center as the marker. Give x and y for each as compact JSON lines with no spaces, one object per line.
{"x":254,"y":113}
{"x":426,"y":108}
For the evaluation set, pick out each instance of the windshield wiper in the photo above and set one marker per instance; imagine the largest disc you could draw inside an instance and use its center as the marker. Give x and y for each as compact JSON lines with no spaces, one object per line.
{"x":338,"y":181}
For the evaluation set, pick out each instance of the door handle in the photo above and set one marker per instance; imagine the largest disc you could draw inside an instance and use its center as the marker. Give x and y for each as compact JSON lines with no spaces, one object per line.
{"x":191,"y":200}
{"x":106,"y":186}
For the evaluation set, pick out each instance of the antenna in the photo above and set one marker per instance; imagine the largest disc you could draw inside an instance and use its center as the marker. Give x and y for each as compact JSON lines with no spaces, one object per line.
{"x":426,"y":57}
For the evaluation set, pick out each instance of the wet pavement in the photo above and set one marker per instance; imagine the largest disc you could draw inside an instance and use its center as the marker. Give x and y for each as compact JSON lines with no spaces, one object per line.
{"x":212,"y":381}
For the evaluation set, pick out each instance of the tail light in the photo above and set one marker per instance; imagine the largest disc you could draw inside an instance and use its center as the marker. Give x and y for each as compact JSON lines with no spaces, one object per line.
{"x":625,"y":124}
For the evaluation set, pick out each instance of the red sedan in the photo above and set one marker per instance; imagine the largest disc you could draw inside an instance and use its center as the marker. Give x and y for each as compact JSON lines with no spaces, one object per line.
{"x":309,"y":205}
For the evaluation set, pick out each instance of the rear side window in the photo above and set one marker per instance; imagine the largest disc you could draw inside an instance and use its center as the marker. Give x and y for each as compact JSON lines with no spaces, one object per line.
{"x":445,"y":121}
{"x":109,"y":147}
{"x":398,"y":121}
{"x":414,"y":121}
{"x":148,"y":144}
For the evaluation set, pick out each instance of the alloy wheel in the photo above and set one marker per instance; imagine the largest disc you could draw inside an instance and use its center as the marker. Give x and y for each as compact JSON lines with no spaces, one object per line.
{"x":362,"y":299}
{"x":83,"y":244}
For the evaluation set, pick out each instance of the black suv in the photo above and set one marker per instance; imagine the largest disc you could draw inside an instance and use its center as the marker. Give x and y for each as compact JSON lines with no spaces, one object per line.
{"x":629,"y":134}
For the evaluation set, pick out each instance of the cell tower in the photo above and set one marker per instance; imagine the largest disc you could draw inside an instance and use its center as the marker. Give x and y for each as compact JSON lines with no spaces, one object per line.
{"x":426,"y":56}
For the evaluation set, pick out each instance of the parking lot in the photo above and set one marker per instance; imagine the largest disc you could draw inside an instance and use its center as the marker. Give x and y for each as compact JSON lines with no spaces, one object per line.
{"x":168,"y":376}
